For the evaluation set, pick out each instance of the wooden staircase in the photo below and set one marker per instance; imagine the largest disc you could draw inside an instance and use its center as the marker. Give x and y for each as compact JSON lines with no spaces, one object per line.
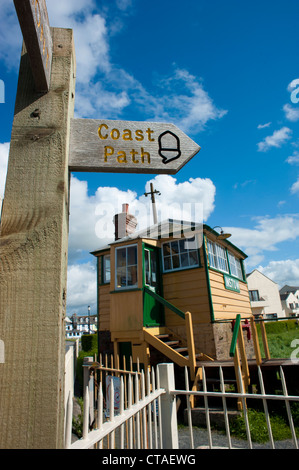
{"x":175,"y":348}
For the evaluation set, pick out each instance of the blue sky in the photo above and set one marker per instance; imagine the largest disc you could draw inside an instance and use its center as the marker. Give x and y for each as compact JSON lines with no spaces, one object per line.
{"x":226,"y":73}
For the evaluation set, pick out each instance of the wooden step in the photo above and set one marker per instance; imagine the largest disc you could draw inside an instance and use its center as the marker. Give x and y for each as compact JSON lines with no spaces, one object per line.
{"x":180,"y":350}
{"x":172,"y":343}
{"x":161,"y":337}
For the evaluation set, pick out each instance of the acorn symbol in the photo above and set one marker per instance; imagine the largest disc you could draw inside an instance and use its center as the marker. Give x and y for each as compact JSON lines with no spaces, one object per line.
{"x":169,"y":147}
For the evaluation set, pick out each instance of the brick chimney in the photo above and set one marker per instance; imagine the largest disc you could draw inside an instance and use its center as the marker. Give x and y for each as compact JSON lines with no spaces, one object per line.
{"x":125,"y":223}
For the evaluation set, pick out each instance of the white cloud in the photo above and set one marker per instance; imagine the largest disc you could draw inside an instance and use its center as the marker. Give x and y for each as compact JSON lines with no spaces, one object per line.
{"x":275,"y":140}
{"x":282,"y":272}
{"x":265,"y":236}
{"x":295,"y":187}
{"x":82,"y":288}
{"x":185,"y":98}
{"x":263,"y":126}
{"x":291,"y":113}
{"x":293,"y":159}
{"x":123,"y":4}
{"x":4,"y":151}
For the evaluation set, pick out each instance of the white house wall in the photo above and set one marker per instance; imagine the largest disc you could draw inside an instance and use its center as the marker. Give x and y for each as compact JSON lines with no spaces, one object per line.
{"x":268,"y":291}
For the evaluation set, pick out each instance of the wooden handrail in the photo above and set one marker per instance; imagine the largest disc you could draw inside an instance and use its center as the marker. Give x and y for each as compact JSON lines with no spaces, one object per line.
{"x":190,"y":344}
{"x":237,"y":351}
{"x":164,"y":302}
{"x":256,"y":345}
{"x":189,"y":330}
{"x":265,"y":340}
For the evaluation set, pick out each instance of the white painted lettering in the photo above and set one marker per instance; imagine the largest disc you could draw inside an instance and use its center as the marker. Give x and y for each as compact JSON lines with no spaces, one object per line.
{"x":2,"y":92}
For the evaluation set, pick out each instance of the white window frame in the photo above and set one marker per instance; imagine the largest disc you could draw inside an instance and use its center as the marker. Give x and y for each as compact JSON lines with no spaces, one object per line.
{"x":104,"y":280}
{"x":217,"y":257}
{"x":126,"y":287}
{"x":181,"y":268}
{"x":235,"y":263}
{"x":223,"y":260}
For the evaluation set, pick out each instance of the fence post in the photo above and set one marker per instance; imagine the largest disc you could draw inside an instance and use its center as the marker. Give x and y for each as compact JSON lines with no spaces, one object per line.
{"x":168,"y":407}
{"x":88,"y":385}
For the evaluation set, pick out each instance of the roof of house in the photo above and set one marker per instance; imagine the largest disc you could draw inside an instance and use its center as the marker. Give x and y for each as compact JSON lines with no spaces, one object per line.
{"x":167,"y":228}
{"x":286,"y":295}
{"x":287,"y":289}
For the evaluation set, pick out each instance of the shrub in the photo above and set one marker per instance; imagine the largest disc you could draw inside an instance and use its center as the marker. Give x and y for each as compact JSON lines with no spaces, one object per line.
{"x":89,"y":345}
{"x":89,"y":342}
{"x":258,"y":427}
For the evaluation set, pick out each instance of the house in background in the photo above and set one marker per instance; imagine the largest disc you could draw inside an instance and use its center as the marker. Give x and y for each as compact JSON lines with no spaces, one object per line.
{"x":289,"y":296}
{"x":287,"y":289}
{"x":264,"y":296}
{"x":149,"y":281}
{"x":78,"y":325}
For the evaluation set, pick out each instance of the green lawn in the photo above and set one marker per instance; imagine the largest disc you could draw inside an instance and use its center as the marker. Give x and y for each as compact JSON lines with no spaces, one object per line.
{"x":280,"y":336}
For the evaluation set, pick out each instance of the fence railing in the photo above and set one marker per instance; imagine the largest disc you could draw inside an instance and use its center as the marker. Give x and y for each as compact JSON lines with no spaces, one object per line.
{"x":128,"y":415}
{"x":151,"y":421}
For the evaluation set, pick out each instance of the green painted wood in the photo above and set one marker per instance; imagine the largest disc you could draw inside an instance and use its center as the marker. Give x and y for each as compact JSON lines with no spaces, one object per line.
{"x":235,"y":336}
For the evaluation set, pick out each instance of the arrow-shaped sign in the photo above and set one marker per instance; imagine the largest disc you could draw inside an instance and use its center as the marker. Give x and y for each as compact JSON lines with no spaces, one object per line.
{"x":128,"y":147}
{"x":34,"y":22}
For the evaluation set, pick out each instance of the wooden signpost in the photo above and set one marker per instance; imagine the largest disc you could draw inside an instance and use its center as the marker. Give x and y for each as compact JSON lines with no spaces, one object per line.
{"x":34,"y":22}
{"x":33,"y":250}
{"x":128,"y":147}
{"x":35,"y":217}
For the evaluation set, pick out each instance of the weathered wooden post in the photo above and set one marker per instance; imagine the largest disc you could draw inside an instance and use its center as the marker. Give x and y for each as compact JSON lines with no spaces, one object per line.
{"x":33,"y":251}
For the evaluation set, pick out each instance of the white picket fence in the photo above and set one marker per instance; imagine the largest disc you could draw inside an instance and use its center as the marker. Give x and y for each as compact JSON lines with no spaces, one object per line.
{"x":147,"y":417}
{"x":144,"y":405}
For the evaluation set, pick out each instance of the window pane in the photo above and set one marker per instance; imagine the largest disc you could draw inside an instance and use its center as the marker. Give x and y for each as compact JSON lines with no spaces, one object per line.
{"x":126,"y":267}
{"x":121,"y":257}
{"x":132,"y":255}
{"x":166,"y":249}
{"x":184,"y":259}
{"x":193,"y":256}
{"x":153,"y":269}
{"x":235,"y":266}
{"x":182,"y":246}
{"x":212,"y":256}
{"x":132,"y":276}
{"x":181,"y":256}
{"x":175,"y":261}
{"x":174,"y":247}
{"x":254,"y":295}
{"x":146,"y":267}
{"x":221,"y":258}
{"x":106,"y":269}
{"x":121,"y":279}
{"x":167,"y":263}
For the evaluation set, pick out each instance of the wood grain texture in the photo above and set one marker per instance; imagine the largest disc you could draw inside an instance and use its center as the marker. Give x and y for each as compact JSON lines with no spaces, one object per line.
{"x":33,"y":257}
{"x":128,"y":147}
{"x":34,"y":22}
